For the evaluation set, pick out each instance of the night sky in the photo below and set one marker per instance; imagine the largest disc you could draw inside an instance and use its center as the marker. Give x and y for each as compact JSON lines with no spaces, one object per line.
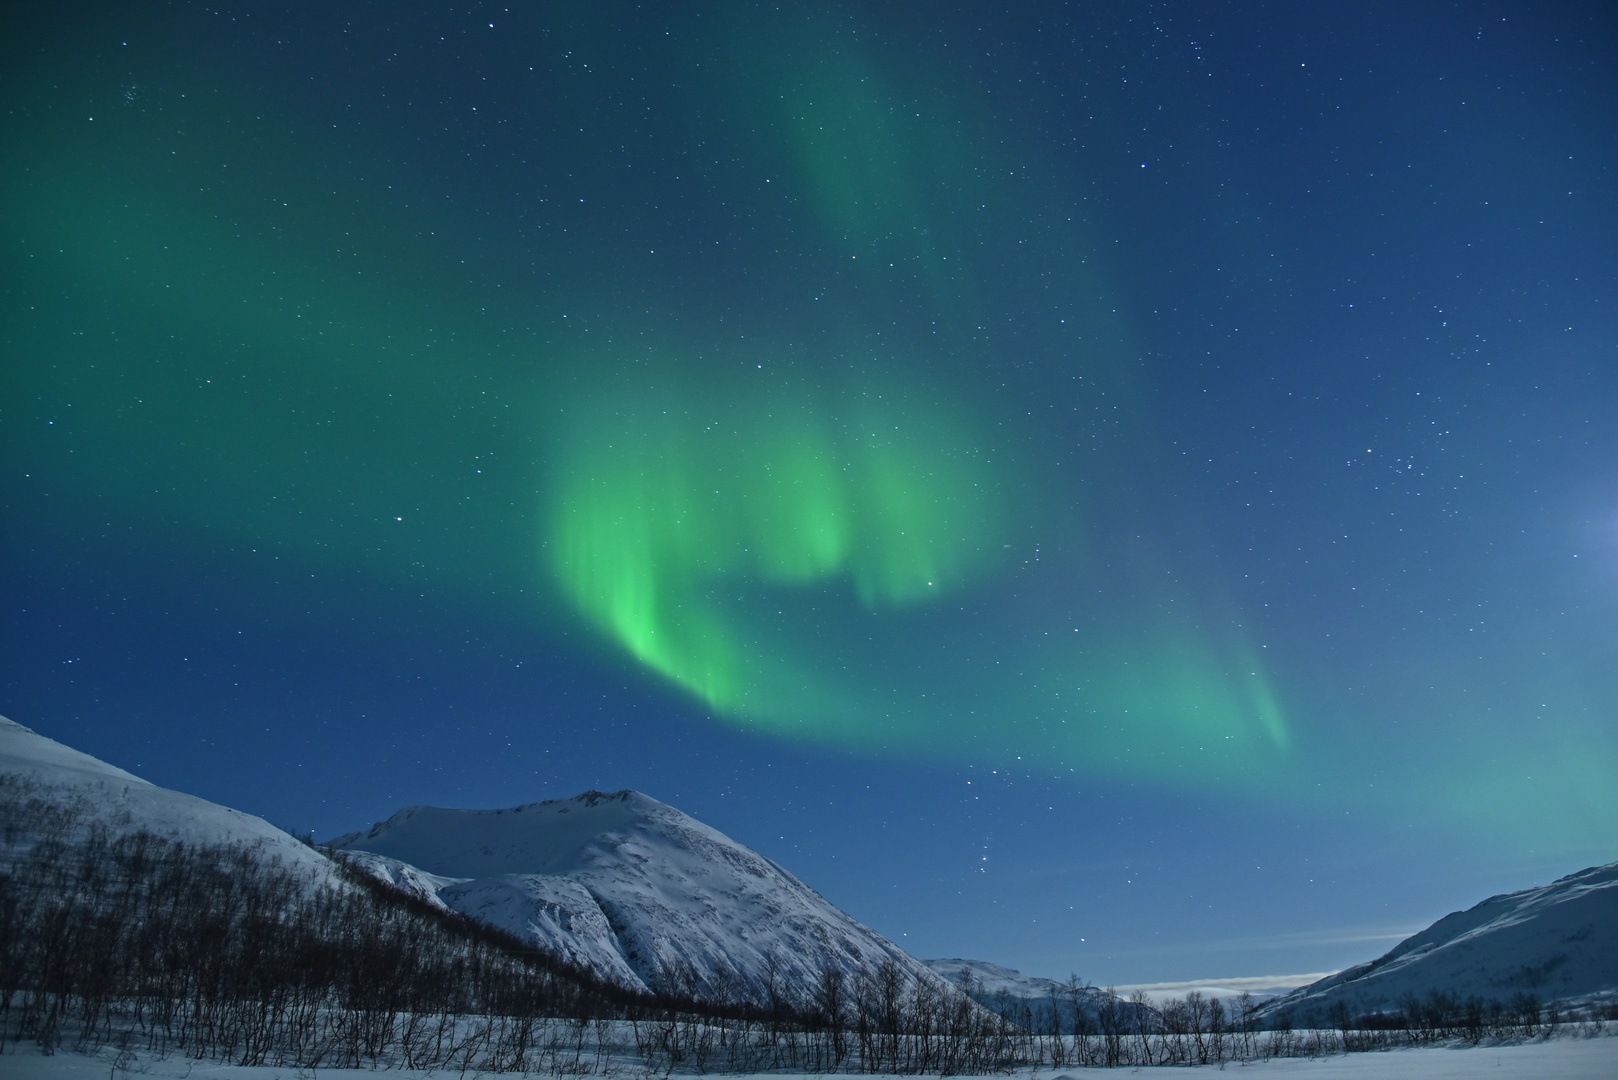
{"x":1116,"y":488}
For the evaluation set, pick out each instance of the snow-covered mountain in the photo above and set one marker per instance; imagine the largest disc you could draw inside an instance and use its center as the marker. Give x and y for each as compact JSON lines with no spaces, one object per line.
{"x":59,"y":787}
{"x":632,"y":887}
{"x":1558,"y":942}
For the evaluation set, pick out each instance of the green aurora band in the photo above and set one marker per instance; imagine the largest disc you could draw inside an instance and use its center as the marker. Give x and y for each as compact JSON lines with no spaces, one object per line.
{"x":686,"y":528}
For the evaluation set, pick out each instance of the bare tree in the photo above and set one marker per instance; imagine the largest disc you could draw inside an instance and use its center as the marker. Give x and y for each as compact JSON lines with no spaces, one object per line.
{"x":1142,"y":1025}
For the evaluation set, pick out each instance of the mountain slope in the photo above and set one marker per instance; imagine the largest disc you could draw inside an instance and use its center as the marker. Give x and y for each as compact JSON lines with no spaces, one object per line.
{"x":636,"y":889}
{"x":56,"y":787}
{"x":1556,"y":941}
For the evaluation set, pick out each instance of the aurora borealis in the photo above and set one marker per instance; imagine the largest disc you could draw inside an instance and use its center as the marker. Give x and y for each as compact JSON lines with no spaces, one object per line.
{"x":685,"y":533}
{"x":1195,"y":428}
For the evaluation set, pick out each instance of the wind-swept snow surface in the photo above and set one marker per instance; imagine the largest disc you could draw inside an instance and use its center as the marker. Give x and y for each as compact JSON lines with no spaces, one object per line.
{"x":1558,"y":1059}
{"x":636,"y":889}
{"x":1557,"y":942}
{"x":74,"y":789}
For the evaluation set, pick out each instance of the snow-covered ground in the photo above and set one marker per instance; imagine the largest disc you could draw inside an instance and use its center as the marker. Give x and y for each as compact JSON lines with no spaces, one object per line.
{"x":1566,"y":1058}
{"x":631,"y":887}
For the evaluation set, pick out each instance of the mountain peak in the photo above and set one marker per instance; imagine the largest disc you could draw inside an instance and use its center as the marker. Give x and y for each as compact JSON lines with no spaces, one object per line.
{"x":553,"y":836}
{"x":632,"y":886}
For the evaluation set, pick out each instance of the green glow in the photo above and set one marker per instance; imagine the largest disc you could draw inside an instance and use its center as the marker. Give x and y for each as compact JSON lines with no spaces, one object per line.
{"x":658,"y":503}
{"x":819,"y":566}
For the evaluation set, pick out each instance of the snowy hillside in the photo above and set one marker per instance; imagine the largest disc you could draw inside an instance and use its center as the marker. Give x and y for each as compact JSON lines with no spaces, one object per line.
{"x":634,"y":888}
{"x":1557,"y":942}
{"x":69,"y":787}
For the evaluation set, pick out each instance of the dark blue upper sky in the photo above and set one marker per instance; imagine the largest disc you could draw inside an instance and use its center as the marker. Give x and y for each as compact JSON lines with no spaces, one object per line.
{"x":1128,"y":489}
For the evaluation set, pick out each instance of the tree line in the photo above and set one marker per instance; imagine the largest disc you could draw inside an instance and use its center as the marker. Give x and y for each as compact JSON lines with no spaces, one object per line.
{"x":1079,"y":1025}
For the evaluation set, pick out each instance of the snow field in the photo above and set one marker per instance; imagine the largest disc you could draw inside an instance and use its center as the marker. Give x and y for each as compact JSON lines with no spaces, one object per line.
{"x":1568,"y":1057}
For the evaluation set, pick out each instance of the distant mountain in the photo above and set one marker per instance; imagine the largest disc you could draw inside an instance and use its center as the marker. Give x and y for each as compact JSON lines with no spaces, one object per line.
{"x":632,"y":887}
{"x":64,"y":789}
{"x":986,"y":980}
{"x":998,"y":987}
{"x":1558,"y":942}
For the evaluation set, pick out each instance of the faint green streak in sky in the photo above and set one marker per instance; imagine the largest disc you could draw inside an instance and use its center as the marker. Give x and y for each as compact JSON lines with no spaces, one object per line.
{"x":887,"y":155}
